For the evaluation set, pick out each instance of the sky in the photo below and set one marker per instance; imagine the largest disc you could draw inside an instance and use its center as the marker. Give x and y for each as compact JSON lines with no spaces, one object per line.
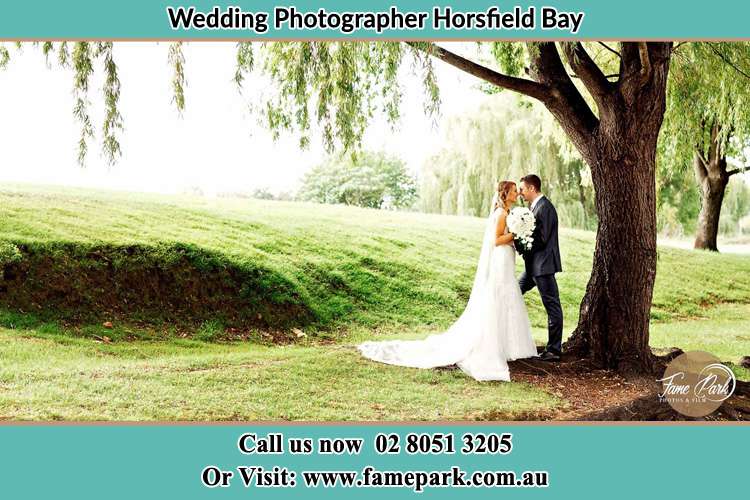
{"x":217,"y":145}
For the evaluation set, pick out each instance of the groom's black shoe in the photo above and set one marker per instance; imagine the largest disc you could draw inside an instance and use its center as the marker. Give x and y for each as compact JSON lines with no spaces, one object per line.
{"x":549,"y":356}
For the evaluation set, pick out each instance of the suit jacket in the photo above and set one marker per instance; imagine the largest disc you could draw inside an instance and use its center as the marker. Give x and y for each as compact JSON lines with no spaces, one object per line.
{"x":544,"y":255}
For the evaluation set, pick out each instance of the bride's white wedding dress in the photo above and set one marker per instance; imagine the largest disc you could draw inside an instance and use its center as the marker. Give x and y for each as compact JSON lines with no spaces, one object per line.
{"x":493,"y":329}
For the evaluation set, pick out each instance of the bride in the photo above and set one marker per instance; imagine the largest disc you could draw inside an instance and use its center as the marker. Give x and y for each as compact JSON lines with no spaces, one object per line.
{"x":493,"y":329}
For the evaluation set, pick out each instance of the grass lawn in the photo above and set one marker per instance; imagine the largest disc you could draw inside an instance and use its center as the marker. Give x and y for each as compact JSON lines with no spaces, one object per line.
{"x":359,"y":273}
{"x":51,"y":376}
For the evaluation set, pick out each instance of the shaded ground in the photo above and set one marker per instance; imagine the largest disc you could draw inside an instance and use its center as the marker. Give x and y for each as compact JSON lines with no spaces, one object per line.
{"x":591,"y":394}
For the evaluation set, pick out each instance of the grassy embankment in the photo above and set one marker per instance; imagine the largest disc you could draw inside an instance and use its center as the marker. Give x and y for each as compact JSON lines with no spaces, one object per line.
{"x":178,"y":277}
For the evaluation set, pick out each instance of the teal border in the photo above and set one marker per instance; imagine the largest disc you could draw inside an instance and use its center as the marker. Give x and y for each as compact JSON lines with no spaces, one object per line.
{"x":165,"y":461}
{"x":147,"y":19}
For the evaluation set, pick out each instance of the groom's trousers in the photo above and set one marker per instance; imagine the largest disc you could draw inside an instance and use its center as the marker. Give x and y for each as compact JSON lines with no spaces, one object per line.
{"x":547,"y":285}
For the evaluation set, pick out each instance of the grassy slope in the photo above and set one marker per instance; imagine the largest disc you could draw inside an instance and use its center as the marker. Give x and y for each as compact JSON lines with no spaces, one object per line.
{"x":396,"y":274}
{"x":357,"y":268}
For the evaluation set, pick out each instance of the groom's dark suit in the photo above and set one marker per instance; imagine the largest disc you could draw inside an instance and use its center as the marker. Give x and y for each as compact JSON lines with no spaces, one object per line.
{"x":542,"y":262}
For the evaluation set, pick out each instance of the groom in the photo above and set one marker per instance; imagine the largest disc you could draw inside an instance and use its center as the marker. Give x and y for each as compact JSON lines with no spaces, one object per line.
{"x":542,"y":262}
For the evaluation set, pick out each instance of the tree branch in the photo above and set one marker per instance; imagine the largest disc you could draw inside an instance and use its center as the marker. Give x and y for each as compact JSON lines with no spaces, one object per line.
{"x":521,"y":85}
{"x":550,"y":84}
{"x":568,"y":106}
{"x":727,"y":61}
{"x":612,"y":75}
{"x":674,"y":49}
{"x":713,"y":146}
{"x":699,"y":164}
{"x":588,"y":71}
{"x":637,"y":66}
{"x":736,"y":171}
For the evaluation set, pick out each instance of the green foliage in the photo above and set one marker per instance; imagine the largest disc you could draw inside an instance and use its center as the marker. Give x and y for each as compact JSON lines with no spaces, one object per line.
{"x":677,"y":202}
{"x":81,"y":60}
{"x":177,"y":62}
{"x":245,"y":61}
{"x":63,"y":55}
{"x":47,"y":48}
{"x":736,"y":207}
{"x":709,"y":84}
{"x":505,"y":138}
{"x":9,"y":253}
{"x":337,"y":86}
{"x":4,"y":57}
{"x":209,"y":331}
{"x":112,"y":118}
{"x":510,"y":56}
{"x":369,"y":179}
{"x":263,"y":194}
{"x":82,"y":68}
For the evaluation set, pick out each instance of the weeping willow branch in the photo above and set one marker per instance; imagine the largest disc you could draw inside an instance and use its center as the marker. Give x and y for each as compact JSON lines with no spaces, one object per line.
{"x":112,"y":118}
{"x":46,"y":50}
{"x":245,"y":62}
{"x":727,"y":61}
{"x":63,"y":56}
{"x":177,"y":61}
{"x":337,"y":86}
{"x":82,"y":70}
{"x":4,"y":57}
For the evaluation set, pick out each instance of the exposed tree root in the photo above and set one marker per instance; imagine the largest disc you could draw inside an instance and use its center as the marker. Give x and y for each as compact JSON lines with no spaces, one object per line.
{"x":594,"y":394}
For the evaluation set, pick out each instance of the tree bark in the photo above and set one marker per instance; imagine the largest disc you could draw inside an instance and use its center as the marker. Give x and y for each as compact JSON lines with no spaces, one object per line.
{"x":712,"y":177}
{"x":613,"y":327}
{"x":582,"y":197}
{"x":712,"y":197}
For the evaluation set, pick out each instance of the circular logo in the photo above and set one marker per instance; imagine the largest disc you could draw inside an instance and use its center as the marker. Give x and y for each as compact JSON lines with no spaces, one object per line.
{"x":695,"y":384}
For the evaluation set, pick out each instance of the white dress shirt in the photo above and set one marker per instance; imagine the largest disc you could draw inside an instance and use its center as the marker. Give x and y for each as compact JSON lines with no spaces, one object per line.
{"x":536,"y":200}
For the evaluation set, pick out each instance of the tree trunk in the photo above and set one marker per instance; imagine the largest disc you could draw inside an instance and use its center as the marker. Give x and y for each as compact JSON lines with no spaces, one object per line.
{"x":712,"y":177}
{"x":613,"y":327}
{"x":614,"y":314}
{"x":581,"y":196}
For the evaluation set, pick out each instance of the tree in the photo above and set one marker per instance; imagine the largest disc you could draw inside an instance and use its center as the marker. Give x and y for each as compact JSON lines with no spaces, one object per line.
{"x":369,"y":179}
{"x":707,"y":123}
{"x":505,"y":137}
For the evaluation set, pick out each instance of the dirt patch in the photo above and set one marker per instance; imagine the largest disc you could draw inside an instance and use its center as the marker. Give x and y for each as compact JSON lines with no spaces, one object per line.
{"x":176,"y":283}
{"x":591,"y":394}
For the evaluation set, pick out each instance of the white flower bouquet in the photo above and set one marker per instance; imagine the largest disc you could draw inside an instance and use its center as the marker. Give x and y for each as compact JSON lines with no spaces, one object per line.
{"x":521,"y":222}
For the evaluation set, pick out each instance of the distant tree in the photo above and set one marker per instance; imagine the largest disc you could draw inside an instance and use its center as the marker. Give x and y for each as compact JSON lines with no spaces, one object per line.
{"x":263,"y":194}
{"x":707,"y":125}
{"x":284,"y":196}
{"x":369,"y":179}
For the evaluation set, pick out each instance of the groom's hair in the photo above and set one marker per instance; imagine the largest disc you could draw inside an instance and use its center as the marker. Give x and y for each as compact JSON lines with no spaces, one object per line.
{"x":533,"y":180}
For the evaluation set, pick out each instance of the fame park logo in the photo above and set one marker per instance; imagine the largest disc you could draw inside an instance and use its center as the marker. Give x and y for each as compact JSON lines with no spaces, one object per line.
{"x":695,"y":384}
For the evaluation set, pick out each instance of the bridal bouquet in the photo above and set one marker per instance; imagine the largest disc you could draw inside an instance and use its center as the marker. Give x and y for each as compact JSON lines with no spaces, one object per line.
{"x":521,"y":222}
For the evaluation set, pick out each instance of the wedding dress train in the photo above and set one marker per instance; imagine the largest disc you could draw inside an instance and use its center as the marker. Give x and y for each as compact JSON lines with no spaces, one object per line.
{"x":493,"y":329}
